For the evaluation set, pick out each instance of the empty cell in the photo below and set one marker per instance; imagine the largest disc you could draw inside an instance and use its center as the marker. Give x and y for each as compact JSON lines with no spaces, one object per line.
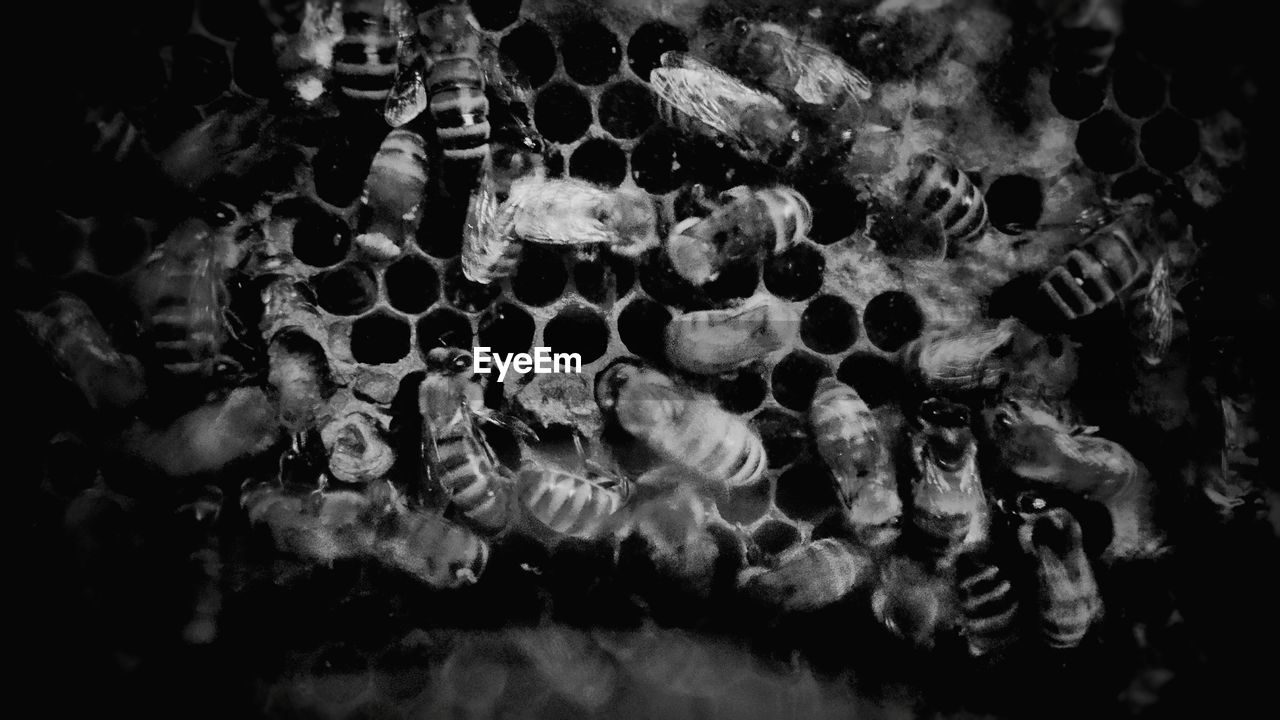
{"x":829,"y":324}
{"x":1197,"y":91}
{"x":561,"y":112}
{"x":495,"y":14}
{"x":774,"y":537}
{"x":443,"y":327}
{"x":1136,"y":182}
{"x":55,"y":251}
{"x":648,"y":42}
{"x":660,"y":280}
{"x":837,"y":212}
{"x":641,"y":325}
{"x":603,"y":278}
{"x":627,"y":109}
{"x":591,"y":52}
{"x":529,"y":48}
{"x":465,"y":294}
{"x":541,"y":278}
{"x":892,"y":319}
{"x":1170,"y":141}
{"x":339,"y":673}
{"x":741,"y":393}
{"x":1015,"y":203}
{"x":1137,"y":87}
{"x":795,"y":377}
{"x":346,"y":290}
{"x":440,"y":232}
{"x":339,"y":170}
{"x":228,"y":18}
{"x":876,"y":379}
{"x":254,"y":66}
{"x":1106,"y":143}
{"x":320,"y":239}
{"x":655,"y":162}
{"x":201,"y":70}
{"x":784,"y":435}
{"x":599,"y":160}
{"x":506,"y":329}
{"x":795,"y":274}
{"x":578,"y":330}
{"x":807,"y":491}
{"x":737,"y":280}
{"x":1077,"y":96}
{"x":746,"y":504}
{"x":379,"y":338}
{"x":412,"y":285}
{"x":118,"y":245}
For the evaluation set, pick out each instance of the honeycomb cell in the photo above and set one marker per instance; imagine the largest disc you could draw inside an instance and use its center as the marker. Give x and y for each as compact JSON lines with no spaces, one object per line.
{"x":1197,"y":91}
{"x":339,"y":673}
{"x":443,"y":327}
{"x":741,"y":393}
{"x":1138,"y":87}
{"x":876,"y":379}
{"x":320,"y":239}
{"x":346,"y":290}
{"x":496,"y":14}
{"x":829,"y":324}
{"x":648,"y":42}
{"x":561,"y":112}
{"x":627,"y":109}
{"x":655,"y":162}
{"x":892,"y":319}
{"x":795,"y":377}
{"x":118,"y":245}
{"x":1106,"y":143}
{"x":339,"y":171}
{"x":795,"y":274}
{"x":1170,"y":141}
{"x":599,"y":160}
{"x":379,"y":338}
{"x":1077,"y":96}
{"x":56,"y":251}
{"x":737,"y":280}
{"x":641,"y":325}
{"x":578,"y":330}
{"x":1015,"y":203}
{"x":412,"y":285}
{"x":807,"y":491}
{"x":440,"y":232}
{"x":506,"y":329}
{"x":529,"y":48}
{"x":774,"y":537}
{"x":254,"y":66}
{"x":541,"y":278}
{"x":591,"y":52}
{"x":1136,"y":182}
{"x":228,"y":18}
{"x":600,"y":279}
{"x":465,"y":294}
{"x":201,"y":71}
{"x":837,"y":212}
{"x":746,"y":504}
{"x":784,"y":436}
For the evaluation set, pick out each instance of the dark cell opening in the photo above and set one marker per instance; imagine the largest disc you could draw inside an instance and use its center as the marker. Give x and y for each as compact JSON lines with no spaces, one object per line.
{"x":339,"y":171}
{"x":1106,"y":143}
{"x":655,"y":162}
{"x":1076,"y":96}
{"x":496,"y":14}
{"x":741,"y":393}
{"x":412,"y":284}
{"x":346,"y":290}
{"x":254,"y":66}
{"x":118,"y":245}
{"x":795,"y":377}
{"x":1138,"y":88}
{"x":561,"y":112}
{"x":1015,"y":203}
{"x":599,"y":280}
{"x":795,"y":274}
{"x":892,"y":319}
{"x":774,"y":537}
{"x":465,"y":294}
{"x":320,"y":239}
{"x":746,"y":504}
{"x":627,"y":109}
{"x":340,"y":673}
{"x":529,"y":48}
{"x":1170,"y":141}
{"x":785,"y":436}
{"x":874,"y":378}
{"x":1137,"y":182}
{"x":599,"y":160}
{"x":829,"y":324}
{"x":648,"y":42}
{"x":440,"y":232}
{"x":591,"y":52}
{"x":837,"y":212}
{"x":807,"y":491}
{"x":379,"y":338}
{"x":505,"y":328}
{"x":443,"y":327}
{"x":578,"y":330}
{"x":738,"y":279}
{"x":201,"y":71}
{"x":228,"y":18}
{"x":540,"y":278}
{"x":1197,"y":91}
{"x":641,"y":325}
{"x":660,"y":280}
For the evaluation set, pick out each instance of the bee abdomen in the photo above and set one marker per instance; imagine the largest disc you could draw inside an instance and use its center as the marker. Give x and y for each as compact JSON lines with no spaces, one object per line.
{"x":365,"y":67}
{"x":1094,"y":274}
{"x":938,"y":535}
{"x":569,"y":505}
{"x":940,"y":189}
{"x":441,"y":553}
{"x":812,"y":576}
{"x":990,"y":607}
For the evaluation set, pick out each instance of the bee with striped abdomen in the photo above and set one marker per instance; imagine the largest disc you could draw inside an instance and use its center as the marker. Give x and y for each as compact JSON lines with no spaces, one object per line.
{"x":743,"y":223}
{"x":988,"y":603}
{"x":365,"y":59}
{"x":810,"y":577}
{"x":1151,"y":315}
{"x":961,"y":360}
{"x":569,"y":504}
{"x":568,"y":211}
{"x":393,"y":194}
{"x":938,"y":191}
{"x":1095,"y":274}
{"x":948,"y":508}
{"x":430,"y":548}
{"x":1068,"y":601}
{"x":909,"y":602}
{"x":711,"y":342}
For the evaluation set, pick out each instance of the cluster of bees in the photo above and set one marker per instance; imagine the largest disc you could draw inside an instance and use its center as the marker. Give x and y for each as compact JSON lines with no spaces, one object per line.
{"x":917,"y":527}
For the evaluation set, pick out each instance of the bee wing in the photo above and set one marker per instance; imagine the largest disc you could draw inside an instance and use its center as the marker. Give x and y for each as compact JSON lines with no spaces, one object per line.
{"x":822,"y":76}
{"x":487,"y":238}
{"x":408,"y":97}
{"x":707,"y":94}
{"x":559,"y":211}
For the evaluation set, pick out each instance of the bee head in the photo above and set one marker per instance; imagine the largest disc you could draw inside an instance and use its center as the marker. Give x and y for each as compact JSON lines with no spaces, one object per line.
{"x":947,"y":435}
{"x":448,"y":360}
{"x":612,"y":377}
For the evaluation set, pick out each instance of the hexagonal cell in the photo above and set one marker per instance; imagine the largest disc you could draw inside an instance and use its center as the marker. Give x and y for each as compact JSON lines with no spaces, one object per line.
{"x":339,"y":673}
{"x":591,"y":52}
{"x":1106,"y":143}
{"x":441,"y":235}
{"x":1170,"y":141}
{"x":655,"y":162}
{"x":795,"y":377}
{"x":648,"y":42}
{"x":1137,"y":87}
{"x":747,"y":504}
{"x":412,"y":285}
{"x":775,"y":537}
{"x":795,"y":274}
{"x":627,"y":109}
{"x":443,"y":327}
{"x":837,"y":212}
{"x":529,"y":48}
{"x":201,"y":70}
{"x":577,"y":330}
{"x":254,"y":68}
{"x":784,"y":436}
{"x":561,"y":112}
{"x":540,"y":278}
{"x":807,"y":491}
{"x":228,"y":18}
{"x":741,"y":393}
{"x":320,"y":239}
{"x":465,"y":294}
{"x":57,"y":250}
{"x":876,"y":379}
{"x":599,"y":160}
{"x":1077,"y":96}
{"x":506,"y":329}
{"x":641,"y":325}
{"x":1135,"y":182}
{"x":1197,"y":91}
{"x":118,"y":245}
{"x":339,"y":171}
{"x":346,"y":289}
{"x":496,"y":14}
{"x":599,"y":279}
{"x":829,"y":324}
{"x":892,"y":319}
{"x":1015,"y":203}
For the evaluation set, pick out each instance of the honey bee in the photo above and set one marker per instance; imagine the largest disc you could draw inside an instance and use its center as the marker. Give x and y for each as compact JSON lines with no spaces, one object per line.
{"x":811,"y":577}
{"x":1067,"y":593}
{"x":393,"y":195}
{"x":307,"y":57}
{"x":490,"y":249}
{"x":711,"y":342}
{"x":568,"y":211}
{"x":1085,"y":35}
{"x":1095,"y":274}
{"x":948,"y":511}
{"x":745,"y":222}
{"x":1151,"y":315}
{"x":365,"y":59}
{"x":909,"y":602}
{"x":988,"y":603}
{"x":961,"y":360}
{"x":567,"y":503}
{"x":430,"y":548}
{"x":938,"y":192}
{"x":693,"y":433}
{"x":316,"y":527}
